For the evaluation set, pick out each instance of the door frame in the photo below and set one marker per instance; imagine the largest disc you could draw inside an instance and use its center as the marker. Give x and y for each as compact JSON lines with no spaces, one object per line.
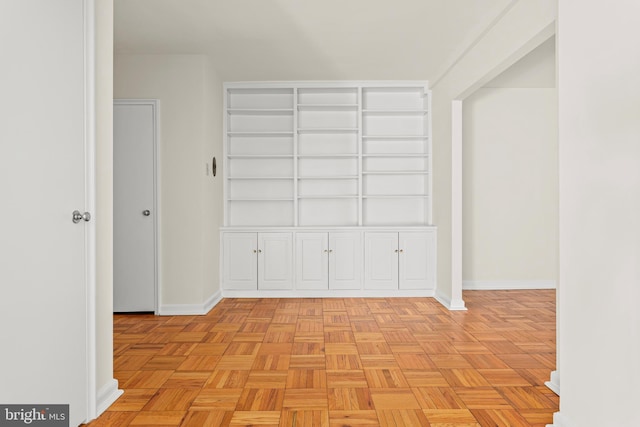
{"x":157,"y":254}
{"x":90,"y":118}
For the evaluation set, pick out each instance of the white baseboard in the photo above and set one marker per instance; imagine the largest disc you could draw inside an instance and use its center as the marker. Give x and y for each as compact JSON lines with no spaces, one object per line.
{"x":107,"y":394}
{"x":493,"y":285}
{"x":375,"y":293}
{"x":190,"y":309}
{"x":450,"y":304}
{"x":554,"y":382}
{"x":559,"y":421}
{"x":212,"y":301}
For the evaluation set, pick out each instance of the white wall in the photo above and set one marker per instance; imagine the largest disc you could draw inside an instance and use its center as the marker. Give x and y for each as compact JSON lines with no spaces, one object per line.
{"x":599,"y":125}
{"x":186,"y":86}
{"x":526,"y":25}
{"x":212,"y":212}
{"x":536,"y":70}
{"x":510,"y":188}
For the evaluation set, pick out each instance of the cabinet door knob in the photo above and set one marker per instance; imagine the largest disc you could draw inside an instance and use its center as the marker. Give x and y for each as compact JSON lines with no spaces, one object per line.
{"x":401,"y":250}
{"x":330,"y":250}
{"x":396,"y":251}
{"x":255,"y":251}
{"x":259,"y":251}
{"x":325,"y":251}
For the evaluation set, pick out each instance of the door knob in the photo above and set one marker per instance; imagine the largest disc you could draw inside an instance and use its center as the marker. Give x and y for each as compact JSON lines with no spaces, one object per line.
{"x":77,"y":216}
{"x":146,"y":212}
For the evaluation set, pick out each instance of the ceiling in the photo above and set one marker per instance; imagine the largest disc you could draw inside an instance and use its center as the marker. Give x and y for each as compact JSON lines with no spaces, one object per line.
{"x":308,"y":39}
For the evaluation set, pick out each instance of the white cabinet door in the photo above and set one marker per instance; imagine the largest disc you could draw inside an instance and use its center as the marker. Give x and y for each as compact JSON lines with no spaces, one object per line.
{"x":345,"y":266}
{"x":381,"y":261}
{"x":275,"y":261}
{"x":311,"y":261}
{"x":416,"y":261}
{"x":240,"y":261}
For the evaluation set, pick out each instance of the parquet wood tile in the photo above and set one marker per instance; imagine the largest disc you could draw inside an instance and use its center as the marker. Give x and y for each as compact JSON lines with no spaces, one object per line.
{"x":200,"y":363}
{"x":158,"y":418}
{"x":350,"y":399}
{"x":414,"y":361}
{"x":464,"y":378}
{"x":227,"y":378}
{"x":485,"y":361}
{"x":394,"y":398}
{"x":343,"y":362}
{"x":266,"y":399}
{"x":340,"y":362}
{"x":305,"y":398}
{"x":186,"y":380}
{"x":272,"y":362}
{"x":499,"y":417}
{"x":385,"y":378}
{"x":133,"y":400}
{"x":450,"y":417}
{"x":347,"y":379}
{"x":525,"y":398}
{"x":402,"y":418}
{"x":177,"y":349}
{"x":164,"y":362}
{"x":174,"y":399}
{"x":481,"y":398}
{"x":207,"y":419}
{"x":306,"y":378}
{"x":421,"y":378}
{"x":267,"y":379}
{"x":256,"y":418}
{"x":438,"y":398}
{"x":371,"y":348}
{"x":304,"y":418}
{"x":503,"y":377}
{"x":353,"y":418}
{"x":379,"y":361}
{"x":216,"y":399}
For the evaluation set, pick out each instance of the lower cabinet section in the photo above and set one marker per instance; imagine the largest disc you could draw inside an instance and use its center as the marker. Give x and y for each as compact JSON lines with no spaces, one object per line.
{"x":328,"y":261}
{"x":257,"y":261}
{"x":404,"y":260}
{"x":308,"y":262}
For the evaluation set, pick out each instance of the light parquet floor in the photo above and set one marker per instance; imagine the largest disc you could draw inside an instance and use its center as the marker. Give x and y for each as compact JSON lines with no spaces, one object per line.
{"x":340,"y":362}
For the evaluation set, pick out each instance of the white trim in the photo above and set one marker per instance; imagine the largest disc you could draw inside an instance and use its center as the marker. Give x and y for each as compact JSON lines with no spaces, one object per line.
{"x":191,"y":309}
{"x":272,"y":84}
{"x":90,"y":203}
{"x":107,"y":395}
{"x":450,"y":304}
{"x":333,"y":293}
{"x":155,"y":106}
{"x":492,"y":285}
{"x":473,"y":43}
{"x":456,"y":202}
{"x":559,"y":421}
{"x":554,"y":382}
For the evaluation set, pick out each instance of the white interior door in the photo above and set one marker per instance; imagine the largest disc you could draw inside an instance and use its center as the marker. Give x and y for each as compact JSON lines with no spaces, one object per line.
{"x":43,"y":273}
{"x":134,"y":212}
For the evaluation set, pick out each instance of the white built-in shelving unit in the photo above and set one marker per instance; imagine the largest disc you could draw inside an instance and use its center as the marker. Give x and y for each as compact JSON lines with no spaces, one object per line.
{"x":326,"y":157}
